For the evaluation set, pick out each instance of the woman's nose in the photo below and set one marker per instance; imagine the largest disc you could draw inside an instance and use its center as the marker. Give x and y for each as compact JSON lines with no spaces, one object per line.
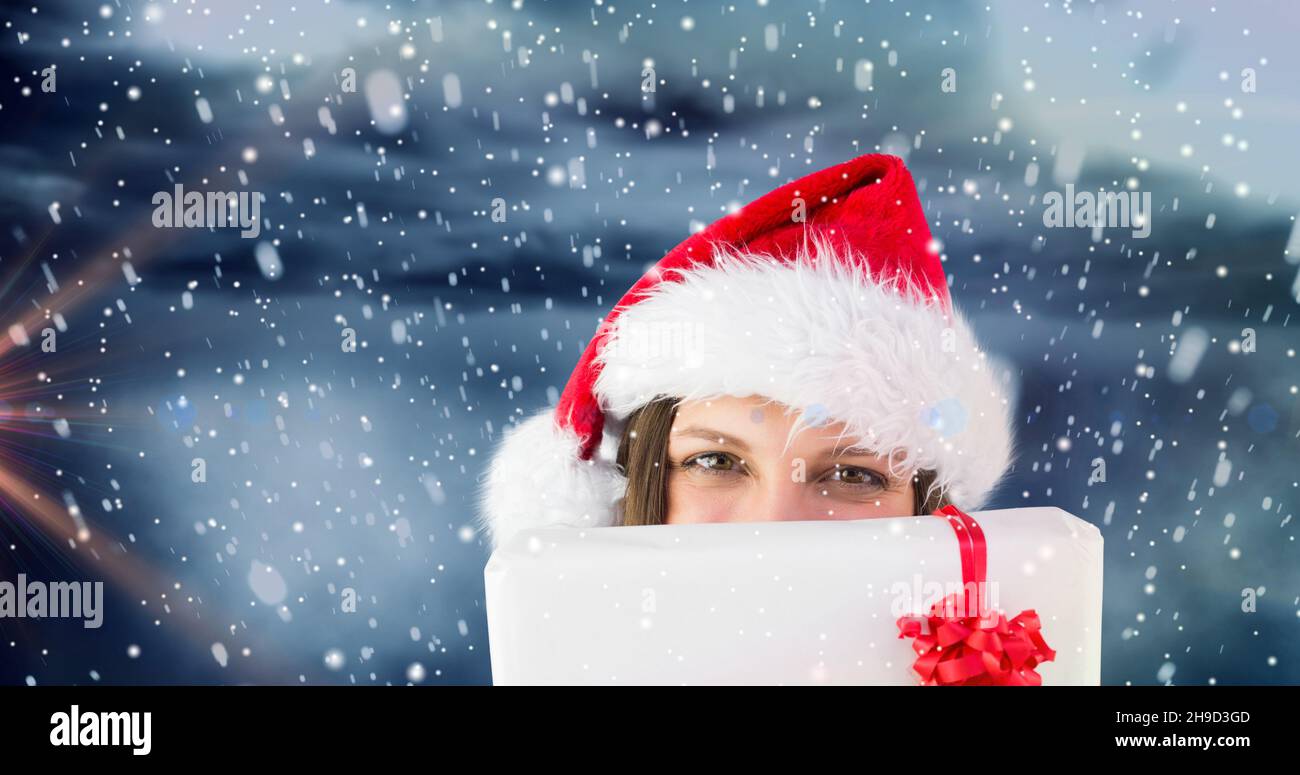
{"x":782,"y":501}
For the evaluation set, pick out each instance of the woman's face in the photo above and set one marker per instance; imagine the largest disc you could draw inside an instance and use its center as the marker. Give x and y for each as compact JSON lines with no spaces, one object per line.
{"x":728,"y":462}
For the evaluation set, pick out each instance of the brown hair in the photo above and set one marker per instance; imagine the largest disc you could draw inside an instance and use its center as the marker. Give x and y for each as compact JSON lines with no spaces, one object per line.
{"x":643,"y":458}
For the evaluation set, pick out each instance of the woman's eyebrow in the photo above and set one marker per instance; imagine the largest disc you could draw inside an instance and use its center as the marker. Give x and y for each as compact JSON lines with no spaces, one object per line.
{"x":709,"y":434}
{"x":833,"y":452}
{"x":853,"y":452}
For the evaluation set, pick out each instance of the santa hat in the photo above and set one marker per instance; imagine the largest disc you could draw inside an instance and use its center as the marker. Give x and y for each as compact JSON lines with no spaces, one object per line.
{"x":826,"y":295}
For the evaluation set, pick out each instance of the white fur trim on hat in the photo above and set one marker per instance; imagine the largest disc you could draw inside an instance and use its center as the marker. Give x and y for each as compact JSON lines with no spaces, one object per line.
{"x":818,"y":334}
{"x":536,"y":479}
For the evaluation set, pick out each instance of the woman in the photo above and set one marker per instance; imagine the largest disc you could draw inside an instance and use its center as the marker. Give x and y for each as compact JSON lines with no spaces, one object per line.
{"x":732,"y":459}
{"x":798,"y":359}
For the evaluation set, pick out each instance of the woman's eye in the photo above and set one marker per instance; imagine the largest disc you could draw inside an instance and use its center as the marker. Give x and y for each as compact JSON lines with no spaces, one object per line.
{"x":712,"y":463}
{"x":857,"y":477}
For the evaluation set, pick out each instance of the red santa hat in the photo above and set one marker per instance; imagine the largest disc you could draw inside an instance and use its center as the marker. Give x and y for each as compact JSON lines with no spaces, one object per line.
{"x":826,"y":295}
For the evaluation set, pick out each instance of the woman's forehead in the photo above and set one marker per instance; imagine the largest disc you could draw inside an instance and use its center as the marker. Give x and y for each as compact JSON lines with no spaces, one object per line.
{"x":760,"y":423}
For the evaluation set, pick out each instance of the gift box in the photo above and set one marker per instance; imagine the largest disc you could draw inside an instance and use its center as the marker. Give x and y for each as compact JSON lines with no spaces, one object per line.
{"x":1010,"y":596}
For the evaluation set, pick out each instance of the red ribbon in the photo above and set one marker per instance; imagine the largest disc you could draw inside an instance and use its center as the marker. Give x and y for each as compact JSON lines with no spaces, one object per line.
{"x":957,"y":644}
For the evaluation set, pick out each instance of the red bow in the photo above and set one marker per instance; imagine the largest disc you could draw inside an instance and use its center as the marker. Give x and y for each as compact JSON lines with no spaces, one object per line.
{"x":963,"y":647}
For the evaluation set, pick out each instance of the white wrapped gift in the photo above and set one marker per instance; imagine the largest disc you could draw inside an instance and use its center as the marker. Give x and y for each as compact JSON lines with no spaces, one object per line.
{"x":809,"y":602}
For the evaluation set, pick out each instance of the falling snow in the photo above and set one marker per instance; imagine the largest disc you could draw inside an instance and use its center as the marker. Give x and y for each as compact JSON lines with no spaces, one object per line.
{"x":276,"y":442}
